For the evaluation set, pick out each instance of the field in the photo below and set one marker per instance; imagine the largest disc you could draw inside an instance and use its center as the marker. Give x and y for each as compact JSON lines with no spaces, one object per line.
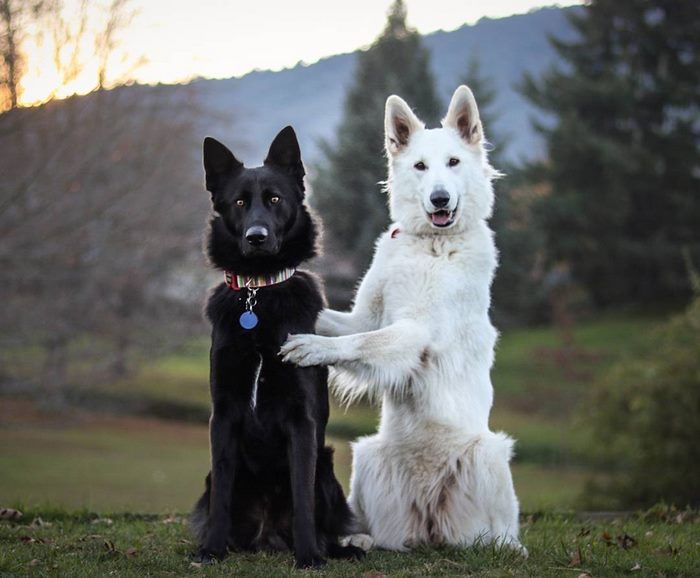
{"x":146,"y":471}
{"x":86,"y":459}
{"x":52,"y":542}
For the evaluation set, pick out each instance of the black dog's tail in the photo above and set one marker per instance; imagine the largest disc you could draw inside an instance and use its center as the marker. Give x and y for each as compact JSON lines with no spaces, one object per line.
{"x":200,"y":513}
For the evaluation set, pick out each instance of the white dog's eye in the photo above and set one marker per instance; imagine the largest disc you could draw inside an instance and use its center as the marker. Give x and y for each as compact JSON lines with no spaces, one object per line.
{"x":274,"y":200}
{"x":453,"y":162}
{"x":420,"y":165}
{"x":240,"y":203}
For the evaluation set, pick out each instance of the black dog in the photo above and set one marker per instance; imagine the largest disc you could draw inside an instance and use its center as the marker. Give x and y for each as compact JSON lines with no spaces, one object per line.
{"x":271,"y":484}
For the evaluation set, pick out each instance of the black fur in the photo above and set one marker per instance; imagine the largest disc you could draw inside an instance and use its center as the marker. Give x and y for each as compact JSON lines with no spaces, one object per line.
{"x":272,"y":484}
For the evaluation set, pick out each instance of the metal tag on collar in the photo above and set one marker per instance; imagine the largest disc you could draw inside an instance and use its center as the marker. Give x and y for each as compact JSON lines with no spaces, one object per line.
{"x":248,"y":319}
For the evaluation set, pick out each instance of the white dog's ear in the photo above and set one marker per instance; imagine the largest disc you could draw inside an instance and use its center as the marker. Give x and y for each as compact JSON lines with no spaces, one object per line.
{"x":463,"y":115}
{"x":399,"y":124}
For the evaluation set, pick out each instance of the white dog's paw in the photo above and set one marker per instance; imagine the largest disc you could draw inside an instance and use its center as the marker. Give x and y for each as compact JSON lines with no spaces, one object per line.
{"x":517,"y":547}
{"x":306,"y":350}
{"x":362,"y":541}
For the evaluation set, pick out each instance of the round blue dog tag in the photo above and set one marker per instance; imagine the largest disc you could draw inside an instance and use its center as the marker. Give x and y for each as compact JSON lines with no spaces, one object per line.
{"x":248,"y":320}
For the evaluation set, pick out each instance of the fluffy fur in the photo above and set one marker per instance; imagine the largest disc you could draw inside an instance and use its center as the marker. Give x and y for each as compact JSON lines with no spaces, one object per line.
{"x":271,"y":484}
{"x":420,"y":339}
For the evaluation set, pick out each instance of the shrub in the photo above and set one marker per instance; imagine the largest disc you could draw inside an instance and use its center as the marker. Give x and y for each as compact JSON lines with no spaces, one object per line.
{"x":646,"y":419}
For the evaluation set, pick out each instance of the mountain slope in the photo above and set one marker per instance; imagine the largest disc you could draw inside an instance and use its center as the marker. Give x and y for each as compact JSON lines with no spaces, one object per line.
{"x":252,"y":108}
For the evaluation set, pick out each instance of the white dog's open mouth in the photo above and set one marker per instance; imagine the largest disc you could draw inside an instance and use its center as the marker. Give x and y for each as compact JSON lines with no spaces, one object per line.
{"x":442,"y":218}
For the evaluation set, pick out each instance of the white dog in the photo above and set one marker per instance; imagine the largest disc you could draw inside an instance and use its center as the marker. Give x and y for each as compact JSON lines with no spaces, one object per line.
{"x":419,"y":337}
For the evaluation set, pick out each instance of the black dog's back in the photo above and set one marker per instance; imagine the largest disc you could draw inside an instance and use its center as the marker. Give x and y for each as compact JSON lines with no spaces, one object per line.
{"x":272,"y":484}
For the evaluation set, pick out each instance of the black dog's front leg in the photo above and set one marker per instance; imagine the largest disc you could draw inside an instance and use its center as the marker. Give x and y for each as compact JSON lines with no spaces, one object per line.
{"x":230,"y":379}
{"x":224,"y":452}
{"x":302,"y":462}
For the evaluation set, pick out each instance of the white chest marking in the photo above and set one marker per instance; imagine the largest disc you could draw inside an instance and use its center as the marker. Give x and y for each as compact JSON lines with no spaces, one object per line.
{"x":254,"y":394}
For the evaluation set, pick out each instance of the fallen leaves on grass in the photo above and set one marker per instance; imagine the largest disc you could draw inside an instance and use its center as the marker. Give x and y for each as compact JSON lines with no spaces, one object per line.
{"x":10,"y":514}
{"x":576,"y":558}
{"x":90,"y":537}
{"x":131,"y":551}
{"x":623,"y":541}
{"x":39,"y":523}
{"x":30,"y":540}
{"x":106,"y":521}
{"x":670,"y":515}
{"x":669,"y":550}
{"x":34,"y":562}
{"x":636,"y":567}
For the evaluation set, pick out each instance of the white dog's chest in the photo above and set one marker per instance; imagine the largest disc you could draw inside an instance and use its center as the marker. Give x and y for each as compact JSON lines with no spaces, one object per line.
{"x":435,"y":278}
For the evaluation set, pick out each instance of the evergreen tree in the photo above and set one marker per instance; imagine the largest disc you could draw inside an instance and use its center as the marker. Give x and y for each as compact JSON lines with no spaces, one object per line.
{"x":347,"y":187}
{"x":623,"y":169}
{"x":514,"y":294}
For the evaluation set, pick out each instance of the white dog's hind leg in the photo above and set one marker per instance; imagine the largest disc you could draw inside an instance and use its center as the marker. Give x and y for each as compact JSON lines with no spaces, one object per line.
{"x":493,"y":489}
{"x":376,"y":497}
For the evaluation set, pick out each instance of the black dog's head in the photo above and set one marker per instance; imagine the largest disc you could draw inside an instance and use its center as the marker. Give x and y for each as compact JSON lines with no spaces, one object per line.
{"x":260,"y":222}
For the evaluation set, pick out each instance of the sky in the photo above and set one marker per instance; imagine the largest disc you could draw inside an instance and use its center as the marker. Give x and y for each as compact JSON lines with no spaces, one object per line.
{"x":177,"y":40}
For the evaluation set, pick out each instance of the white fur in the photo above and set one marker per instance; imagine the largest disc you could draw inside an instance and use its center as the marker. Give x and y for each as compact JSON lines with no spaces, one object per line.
{"x":419,"y":338}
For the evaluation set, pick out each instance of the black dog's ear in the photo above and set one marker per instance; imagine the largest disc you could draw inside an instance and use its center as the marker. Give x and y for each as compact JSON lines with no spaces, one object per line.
{"x":218,"y":162}
{"x":285,"y":153}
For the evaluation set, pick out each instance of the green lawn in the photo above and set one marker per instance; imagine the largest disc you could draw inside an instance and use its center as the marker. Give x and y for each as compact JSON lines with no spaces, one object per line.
{"x":538,"y":385}
{"x":150,"y":465}
{"x":147,"y":465}
{"x":51,"y":542}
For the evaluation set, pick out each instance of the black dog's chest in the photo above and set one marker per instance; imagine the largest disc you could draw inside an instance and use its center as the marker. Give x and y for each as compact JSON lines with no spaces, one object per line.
{"x":267,"y":393}
{"x":287,"y":308}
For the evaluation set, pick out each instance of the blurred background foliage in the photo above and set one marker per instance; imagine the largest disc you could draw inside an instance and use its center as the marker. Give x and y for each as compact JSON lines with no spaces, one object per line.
{"x":103,"y":352}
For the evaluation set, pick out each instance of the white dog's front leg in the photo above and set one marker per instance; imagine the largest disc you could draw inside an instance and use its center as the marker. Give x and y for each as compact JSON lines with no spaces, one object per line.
{"x":390,"y":354}
{"x":333,"y":323}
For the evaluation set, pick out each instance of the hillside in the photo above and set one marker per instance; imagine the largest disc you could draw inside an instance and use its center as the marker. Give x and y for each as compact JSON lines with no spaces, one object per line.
{"x":252,"y":108}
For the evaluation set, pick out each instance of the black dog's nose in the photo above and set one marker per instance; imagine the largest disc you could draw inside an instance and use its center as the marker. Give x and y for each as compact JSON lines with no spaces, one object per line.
{"x":256,"y":235}
{"x":440,"y":198}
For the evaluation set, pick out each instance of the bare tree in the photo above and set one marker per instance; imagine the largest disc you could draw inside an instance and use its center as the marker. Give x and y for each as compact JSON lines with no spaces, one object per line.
{"x":100,"y":211}
{"x":14,"y":17}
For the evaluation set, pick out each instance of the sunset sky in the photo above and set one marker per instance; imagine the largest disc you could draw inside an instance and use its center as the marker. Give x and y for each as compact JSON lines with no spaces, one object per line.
{"x":177,"y":40}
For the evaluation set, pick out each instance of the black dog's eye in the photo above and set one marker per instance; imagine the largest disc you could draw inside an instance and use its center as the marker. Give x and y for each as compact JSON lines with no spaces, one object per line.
{"x":420,"y":165}
{"x":240,"y":203}
{"x":453,"y":162}
{"x":274,"y":200}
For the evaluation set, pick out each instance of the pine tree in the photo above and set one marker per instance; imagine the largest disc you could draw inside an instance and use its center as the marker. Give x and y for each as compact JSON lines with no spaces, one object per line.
{"x":514,"y":291}
{"x":347,"y":187}
{"x":623,"y":169}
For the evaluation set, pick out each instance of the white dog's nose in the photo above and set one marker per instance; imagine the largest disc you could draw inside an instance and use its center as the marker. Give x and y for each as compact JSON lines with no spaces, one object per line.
{"x":440,"y":198}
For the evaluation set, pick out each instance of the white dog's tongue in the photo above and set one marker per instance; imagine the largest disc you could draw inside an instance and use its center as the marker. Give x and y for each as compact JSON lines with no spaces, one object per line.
{"x":440,"y":218}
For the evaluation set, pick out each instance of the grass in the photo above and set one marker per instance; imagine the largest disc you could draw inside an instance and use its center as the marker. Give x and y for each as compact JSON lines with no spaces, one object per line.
{"x":537,"y":386}
{"x":149,"y":465}
{"x":66,"y":466}
{"x":123,"y":464}
{"x":52,"y":542}
{"x":533,"y":374}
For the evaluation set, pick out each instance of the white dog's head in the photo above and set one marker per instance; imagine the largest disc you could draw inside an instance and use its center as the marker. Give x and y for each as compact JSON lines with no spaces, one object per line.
{"x":439,"y":179}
